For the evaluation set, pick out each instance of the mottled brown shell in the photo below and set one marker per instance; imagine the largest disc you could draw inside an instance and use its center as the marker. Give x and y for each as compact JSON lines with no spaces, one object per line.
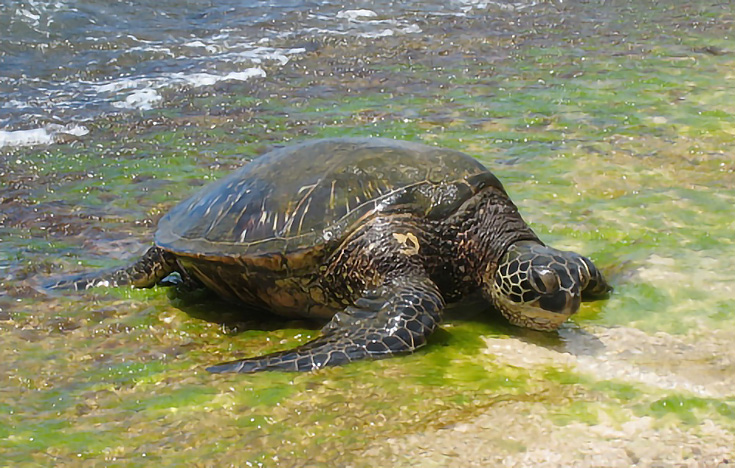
{"x":301,"y":197}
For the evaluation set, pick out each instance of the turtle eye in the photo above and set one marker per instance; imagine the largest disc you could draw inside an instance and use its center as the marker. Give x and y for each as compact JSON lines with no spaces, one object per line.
{"x":544,"y":280}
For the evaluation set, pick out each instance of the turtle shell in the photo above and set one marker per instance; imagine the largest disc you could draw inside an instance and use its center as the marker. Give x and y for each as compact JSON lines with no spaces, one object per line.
{"x":301,"y":197}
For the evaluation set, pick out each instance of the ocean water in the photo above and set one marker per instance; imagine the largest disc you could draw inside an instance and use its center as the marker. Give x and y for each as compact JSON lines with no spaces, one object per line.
{"x":64,"y":63}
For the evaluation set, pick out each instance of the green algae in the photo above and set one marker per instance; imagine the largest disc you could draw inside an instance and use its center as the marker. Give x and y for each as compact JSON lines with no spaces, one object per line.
{"x":690,"y":411}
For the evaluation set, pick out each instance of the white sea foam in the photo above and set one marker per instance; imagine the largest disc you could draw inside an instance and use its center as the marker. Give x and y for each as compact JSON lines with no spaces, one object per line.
{"x":142,"y":99}
{"x":142,"y":93}
{"x":39,"y":136}
{"x":376,"y":34}
{"x":199,"y":44}
{"x":145,"y":90}
{"x":363,"y":23}
{"x":468,"y":5}
{"x":356,"y":14}
{"x":207,"y":79}
{"x":117,"y":85}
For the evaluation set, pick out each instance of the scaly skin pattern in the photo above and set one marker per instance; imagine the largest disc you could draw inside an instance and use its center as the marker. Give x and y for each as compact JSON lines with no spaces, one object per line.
{"x":540,"y":287}
{"x":146,"y":272}
{"x":381,"y":270}
{"x":397,"y":317}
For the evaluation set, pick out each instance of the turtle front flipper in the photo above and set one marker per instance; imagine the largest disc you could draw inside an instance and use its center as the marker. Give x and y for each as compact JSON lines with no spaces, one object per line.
{"x":396,"y":318}
{"x":152,"y":267}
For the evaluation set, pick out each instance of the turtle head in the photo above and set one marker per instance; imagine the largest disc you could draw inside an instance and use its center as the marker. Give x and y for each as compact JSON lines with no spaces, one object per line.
{"x":540,"y":287}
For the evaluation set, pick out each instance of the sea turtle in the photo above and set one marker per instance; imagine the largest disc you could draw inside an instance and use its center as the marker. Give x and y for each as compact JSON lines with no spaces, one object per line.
{"x":375,"y":235}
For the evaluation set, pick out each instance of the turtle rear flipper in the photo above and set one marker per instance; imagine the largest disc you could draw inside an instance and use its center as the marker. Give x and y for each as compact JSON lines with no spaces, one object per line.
{"x":146,"y":272}
{"x":396,"y":318}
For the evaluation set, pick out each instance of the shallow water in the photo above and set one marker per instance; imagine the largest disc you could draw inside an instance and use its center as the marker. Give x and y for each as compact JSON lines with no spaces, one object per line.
{"x":65,"y":63}
{"x":611,"y":124}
